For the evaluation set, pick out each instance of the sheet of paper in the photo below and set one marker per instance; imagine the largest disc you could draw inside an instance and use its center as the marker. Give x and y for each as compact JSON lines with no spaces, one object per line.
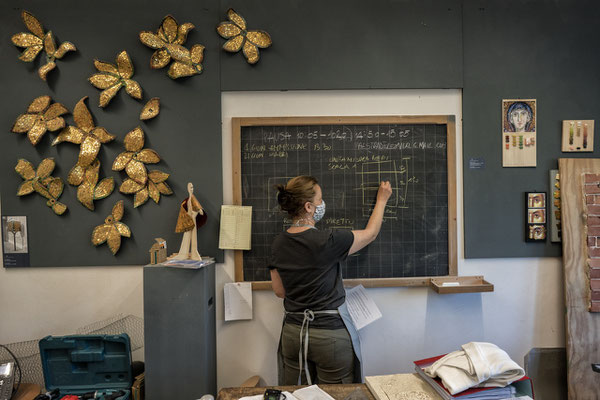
{"x":238,"y":301}
{"x":361,"y":307}
{"x":236,"y":224}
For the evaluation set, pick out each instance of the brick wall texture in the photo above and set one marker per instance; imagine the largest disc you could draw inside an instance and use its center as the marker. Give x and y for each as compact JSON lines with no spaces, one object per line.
{"x":592,"y":201}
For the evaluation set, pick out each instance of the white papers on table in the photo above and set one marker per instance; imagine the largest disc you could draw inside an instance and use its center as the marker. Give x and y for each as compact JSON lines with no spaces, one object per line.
{"x":312,"y":393}
{"x":236,"y":225}
{"x":238,"y":301}
{"x":361,"y":307}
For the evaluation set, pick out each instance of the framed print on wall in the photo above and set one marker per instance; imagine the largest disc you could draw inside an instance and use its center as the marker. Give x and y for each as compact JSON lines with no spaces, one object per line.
{"x":519,"y":121}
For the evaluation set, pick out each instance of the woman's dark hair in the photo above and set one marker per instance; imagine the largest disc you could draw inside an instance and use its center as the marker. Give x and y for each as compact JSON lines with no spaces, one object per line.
{"x":293,"y":195}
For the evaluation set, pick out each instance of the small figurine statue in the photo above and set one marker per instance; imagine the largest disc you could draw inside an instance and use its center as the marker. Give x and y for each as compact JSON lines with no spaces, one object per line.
{"x":191,"y":217}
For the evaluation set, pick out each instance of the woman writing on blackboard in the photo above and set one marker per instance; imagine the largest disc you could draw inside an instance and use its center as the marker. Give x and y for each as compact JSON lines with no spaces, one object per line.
{"x":306,"y":273}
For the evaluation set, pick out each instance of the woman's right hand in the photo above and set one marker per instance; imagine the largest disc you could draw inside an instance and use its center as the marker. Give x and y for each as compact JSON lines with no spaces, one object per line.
{"x":384,"y":192}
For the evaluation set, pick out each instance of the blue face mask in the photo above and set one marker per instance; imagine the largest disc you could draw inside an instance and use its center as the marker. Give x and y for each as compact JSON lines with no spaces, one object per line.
{"x":319,"y":212}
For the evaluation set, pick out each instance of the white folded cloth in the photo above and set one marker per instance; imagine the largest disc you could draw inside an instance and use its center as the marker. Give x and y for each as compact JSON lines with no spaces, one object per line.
{"x":478,"y":364}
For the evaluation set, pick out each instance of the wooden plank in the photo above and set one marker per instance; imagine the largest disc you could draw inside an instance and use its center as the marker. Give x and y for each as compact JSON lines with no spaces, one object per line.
{"x":582,"y":327}
{"x":452,"y":230}
{"x":338,"y":392}
{"x":466,"y":284}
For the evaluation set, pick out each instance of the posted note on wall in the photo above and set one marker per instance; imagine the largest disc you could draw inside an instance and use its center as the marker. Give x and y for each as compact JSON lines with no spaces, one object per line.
{"x":238,"y":301}
{"x":236,"y":224}
{"x":361,"y":307}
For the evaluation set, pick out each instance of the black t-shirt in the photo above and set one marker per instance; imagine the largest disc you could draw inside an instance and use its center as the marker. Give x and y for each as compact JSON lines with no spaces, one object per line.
{"x":309,"y":265}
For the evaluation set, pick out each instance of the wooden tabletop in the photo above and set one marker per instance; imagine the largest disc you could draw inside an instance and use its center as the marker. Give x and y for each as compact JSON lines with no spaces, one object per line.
{"x":359,"y":391}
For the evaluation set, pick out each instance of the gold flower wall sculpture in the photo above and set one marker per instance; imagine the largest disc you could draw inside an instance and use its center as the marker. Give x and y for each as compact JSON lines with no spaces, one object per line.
{"x":151,"y":109}
{"x":41,"y":116}
{"x":37,"y":40}
{"x":89,"y":137}
{"x":241,"y":38}
{"x":112,"y":229}
{"x":111,"y":78}
{"x":140,"y":182}
{"x":89,"y":189}
{"x":40,"y":181}
{"x":168,"y":42}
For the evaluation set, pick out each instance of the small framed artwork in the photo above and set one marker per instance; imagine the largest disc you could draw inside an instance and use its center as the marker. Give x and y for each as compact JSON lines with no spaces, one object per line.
{"x":536,"y":226}
{"x":519,"y":122}
{"x":554,"y":209}
{"x":14,"y":241}
{"x":578,"y":135}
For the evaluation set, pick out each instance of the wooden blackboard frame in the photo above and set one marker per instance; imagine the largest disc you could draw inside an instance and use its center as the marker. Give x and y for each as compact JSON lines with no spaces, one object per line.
{"x":448,"y":120}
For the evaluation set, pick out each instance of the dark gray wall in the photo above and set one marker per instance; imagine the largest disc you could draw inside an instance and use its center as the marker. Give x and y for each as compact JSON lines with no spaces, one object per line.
{"x":186,"y":134}
{"x":542,"y":49}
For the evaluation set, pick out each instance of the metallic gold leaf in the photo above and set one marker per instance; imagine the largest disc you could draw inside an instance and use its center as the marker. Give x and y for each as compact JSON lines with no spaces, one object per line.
{"x":85,"y":195}
{"x":259,"y":38}
{"x":82,"y":116}
{"x":234,"y":45}
{"x":100,"y":234}
{"x":25,"y":188}
{"x":169,"y":28}
{"x":92,"y":173}
{"x":55,"y":124}
{"x":55,"y":110}
{"x":121,"y":161}
{"x":70,"y":134}
{"x":133,"y":89}
{"x":124,"y":65}
{"x":236,"y":18}
{"x":250,"y":52}
{"x":150,"y":110}
{"x":130,"y":186}
{"x":102,"y":135}
{"x":182,"y":32}
{"x":36,"y":132}
{"x":140,"y":197}
{"x":104,"y":188}
{"x":25,"y":39}
{"x":59,"y":208}
{"x":159,"y":59}
{"x":55,"y":187}
{"x":45,"y":168}
{"x":178,"y":52}
{"x":180,"y":70}
{"x":118,"y":210}
{"x":88,"y":150}
{"x":123,"y":229}
{"x":157,"y":176}
{"x":32,"y":24}
{"x":107,"y":95}
{"x":114,"y":240}
{"x":197,"y":53}
{"x":147,"y":156}
{"x":105,"y":67}
{"x":137,"y":171}
{"x":42,"y":189}
{"x":153,"y":192}
{"x":63,"y":49}
{"x":228,"y":30}
{"x":39,"y":104}
{"x":44,"y":69}
{"x":30,"y":53}
{"x":103,"y":80}
{"x":151,"y":40}
{"x":25,"y":169}
{"x":49,"y":43}
{"x":164,"y":189}
{"x":24,"y":123}
{"x":76,"y":175}
{"x":134,"y":140}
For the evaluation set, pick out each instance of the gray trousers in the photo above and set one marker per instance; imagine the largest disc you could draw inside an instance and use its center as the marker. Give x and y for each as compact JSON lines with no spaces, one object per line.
{"x":330,"y":355}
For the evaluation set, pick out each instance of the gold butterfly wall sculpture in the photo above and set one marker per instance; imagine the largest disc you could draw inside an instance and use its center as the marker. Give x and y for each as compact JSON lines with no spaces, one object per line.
{"x":140,"y":182}
{"x":41,"y":182}
{"x":41,"y":116}
{"x":38,"y":40}
{"x":111,"y":79}
{"x":112,"y":229}
{"x":241,"y":38}
{"x":168,"y":42}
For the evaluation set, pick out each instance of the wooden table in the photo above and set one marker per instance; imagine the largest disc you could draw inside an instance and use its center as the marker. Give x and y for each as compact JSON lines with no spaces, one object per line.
{"x":338,"y":392}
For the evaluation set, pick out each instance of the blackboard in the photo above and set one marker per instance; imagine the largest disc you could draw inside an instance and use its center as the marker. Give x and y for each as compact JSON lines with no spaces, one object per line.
{"x":350,"y":156}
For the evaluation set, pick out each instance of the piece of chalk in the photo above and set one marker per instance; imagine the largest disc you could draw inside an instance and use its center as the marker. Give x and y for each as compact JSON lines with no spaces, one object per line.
{"x":451,"y":284}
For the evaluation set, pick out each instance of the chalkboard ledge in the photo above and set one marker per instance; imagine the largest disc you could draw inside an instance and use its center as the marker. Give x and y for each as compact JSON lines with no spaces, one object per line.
{"x":460,"y":284}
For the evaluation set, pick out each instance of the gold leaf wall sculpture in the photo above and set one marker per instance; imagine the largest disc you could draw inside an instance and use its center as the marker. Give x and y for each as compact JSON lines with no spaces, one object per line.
{"x":168,"y":42}
{"x":89,"y":189}
{"x":40,"y":181}
{"x":37,"y":40}
{"x":112,"y":229}
{"x":241,"y":38}
{"x":111,"y":78}
{"x":41,"y":116}
{"x":151,"y":109}
{"x":140,"y":182}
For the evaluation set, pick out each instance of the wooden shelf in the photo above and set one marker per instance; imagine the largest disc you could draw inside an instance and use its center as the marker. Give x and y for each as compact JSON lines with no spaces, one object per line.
{"x":460,"y":284}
